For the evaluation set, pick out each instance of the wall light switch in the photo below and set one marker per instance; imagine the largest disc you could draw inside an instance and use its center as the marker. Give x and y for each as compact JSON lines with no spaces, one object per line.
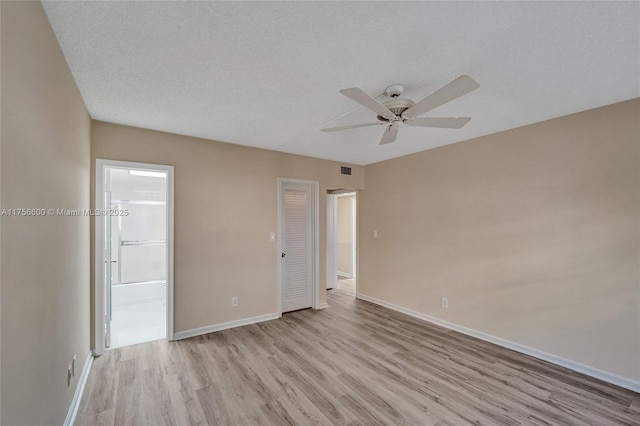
{"x":375,"y":233}
{"x":272,"y":236}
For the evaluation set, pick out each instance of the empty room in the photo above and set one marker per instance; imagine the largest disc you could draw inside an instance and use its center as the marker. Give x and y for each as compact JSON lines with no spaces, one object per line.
{"x":319,"y":213}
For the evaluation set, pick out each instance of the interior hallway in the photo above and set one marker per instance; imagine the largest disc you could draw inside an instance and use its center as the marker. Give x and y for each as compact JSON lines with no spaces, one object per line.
{"x":347,"y":285}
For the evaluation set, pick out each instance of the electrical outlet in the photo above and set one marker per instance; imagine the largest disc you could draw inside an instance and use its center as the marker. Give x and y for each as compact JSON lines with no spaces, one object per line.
{"x":375,"y":233}
{"x":73,"y":365}
{"x":445,"y":302}
{"x":272,"y":236}
{"x":69,"y":376}
{"x":234,"y":301}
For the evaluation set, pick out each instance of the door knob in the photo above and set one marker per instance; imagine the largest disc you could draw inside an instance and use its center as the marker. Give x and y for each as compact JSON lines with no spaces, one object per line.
{"x":283,"y":255}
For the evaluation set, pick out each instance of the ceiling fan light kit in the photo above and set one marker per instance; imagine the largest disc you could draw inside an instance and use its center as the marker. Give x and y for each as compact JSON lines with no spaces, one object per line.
{"x":397,"y":111}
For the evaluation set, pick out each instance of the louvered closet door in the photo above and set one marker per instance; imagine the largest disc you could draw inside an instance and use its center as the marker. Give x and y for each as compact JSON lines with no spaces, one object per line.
{"x":297,"y":250}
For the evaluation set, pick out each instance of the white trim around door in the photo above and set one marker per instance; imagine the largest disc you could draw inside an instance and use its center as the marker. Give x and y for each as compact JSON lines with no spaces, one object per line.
{"x":99,"y":252}
{"x":332,"y":238}
{"x":332,"y":242}
{"x":315,"y":236}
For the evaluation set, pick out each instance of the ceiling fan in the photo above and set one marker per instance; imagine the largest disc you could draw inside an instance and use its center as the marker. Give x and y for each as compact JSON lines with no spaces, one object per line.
{"x":397,"y":111}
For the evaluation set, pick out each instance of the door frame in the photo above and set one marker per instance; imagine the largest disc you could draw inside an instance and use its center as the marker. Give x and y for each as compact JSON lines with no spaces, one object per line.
{"x":332,"y":243}
{"x":332,"y":240}
{"x":315,"y":239}
{"x":98,"y":290}
{"x":354,"y":237}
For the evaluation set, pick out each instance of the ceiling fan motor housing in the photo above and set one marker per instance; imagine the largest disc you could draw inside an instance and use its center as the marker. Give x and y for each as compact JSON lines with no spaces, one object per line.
{"x":397,"y":106}
{"x":394,"y":91}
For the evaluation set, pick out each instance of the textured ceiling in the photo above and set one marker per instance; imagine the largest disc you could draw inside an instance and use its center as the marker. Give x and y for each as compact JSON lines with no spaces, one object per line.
{"x":267,"y":74}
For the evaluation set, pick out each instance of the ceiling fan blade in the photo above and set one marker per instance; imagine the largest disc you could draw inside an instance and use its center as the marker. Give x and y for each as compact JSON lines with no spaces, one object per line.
{"x":442,"y":122}
{"x":458,"y":87}
{"x":389,"y":135}
{"x":353,"y":126}
{"x":365,"y":100}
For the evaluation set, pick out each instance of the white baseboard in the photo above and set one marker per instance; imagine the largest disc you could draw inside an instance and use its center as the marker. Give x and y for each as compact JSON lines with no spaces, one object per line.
{"x":323,"y":306}
{"x":223,"y":326}
{"x":612,"y":378}
{"x":77,"y":395}
{"x":345,"y":274}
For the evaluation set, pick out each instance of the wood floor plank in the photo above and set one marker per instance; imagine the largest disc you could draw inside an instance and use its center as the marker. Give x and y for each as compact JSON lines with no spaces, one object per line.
{"x":184,"y":400}
{"x":103,"y":418}
{"x":129,"y":393}
{"x":324,"y":399}
{"x":354,"y":363}
{"x":361,"y":411}
{"x":102,"y":392}
{"x":216,"y":412}
{"x":157,"y":408}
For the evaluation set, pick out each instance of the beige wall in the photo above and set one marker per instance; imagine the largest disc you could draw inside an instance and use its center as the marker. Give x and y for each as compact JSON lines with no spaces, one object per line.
{"x":45,"y":261}
{"x":225,"y":208}
{"x":532,"y":234}
{"x":345,"y":235}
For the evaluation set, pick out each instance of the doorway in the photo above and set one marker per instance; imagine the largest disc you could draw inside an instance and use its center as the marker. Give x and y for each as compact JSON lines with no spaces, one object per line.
{"x":134,"y":253}
{"x":298,"y":245}
{"x":342,"y":242}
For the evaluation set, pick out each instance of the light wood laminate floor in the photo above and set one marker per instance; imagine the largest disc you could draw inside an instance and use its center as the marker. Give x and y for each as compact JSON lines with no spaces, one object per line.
{"x":353,"y":363}
{"x":347,"y":285}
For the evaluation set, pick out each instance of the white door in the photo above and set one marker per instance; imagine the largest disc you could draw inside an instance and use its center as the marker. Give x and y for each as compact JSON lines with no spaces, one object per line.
{"x":297,"y":246}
